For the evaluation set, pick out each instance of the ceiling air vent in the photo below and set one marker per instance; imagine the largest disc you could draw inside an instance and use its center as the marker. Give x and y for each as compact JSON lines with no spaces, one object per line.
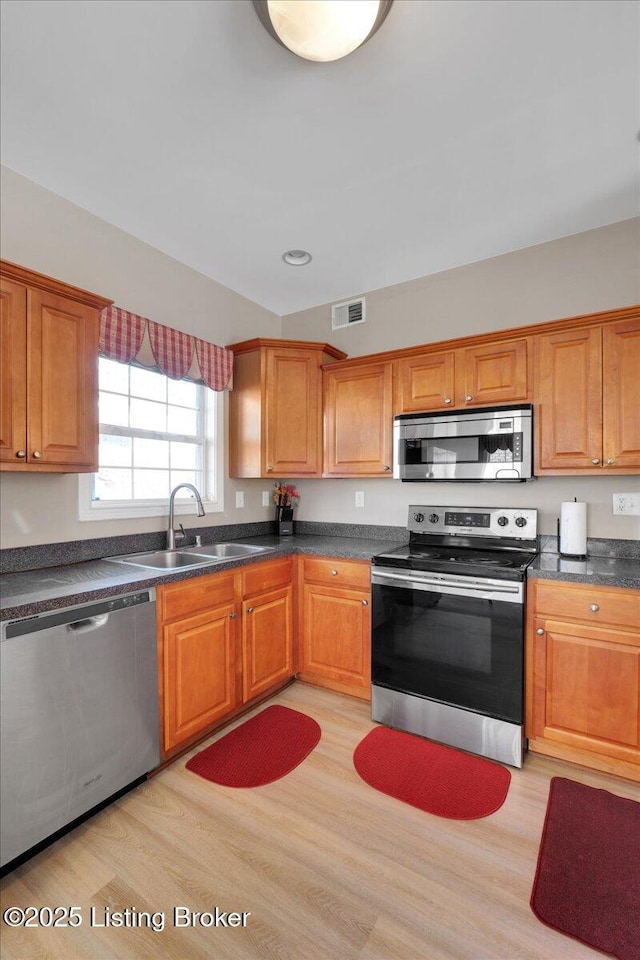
{"x":348,"y":313}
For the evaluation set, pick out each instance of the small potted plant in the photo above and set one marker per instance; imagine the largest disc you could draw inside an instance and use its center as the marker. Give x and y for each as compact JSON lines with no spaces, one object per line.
{"x":285,"y":497}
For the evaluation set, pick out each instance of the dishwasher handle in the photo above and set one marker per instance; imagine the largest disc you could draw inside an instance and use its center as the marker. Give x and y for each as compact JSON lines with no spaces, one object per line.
{"x":89,"y":623}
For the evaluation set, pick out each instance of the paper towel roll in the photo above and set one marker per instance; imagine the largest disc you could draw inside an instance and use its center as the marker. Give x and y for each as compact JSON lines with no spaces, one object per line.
{"x":573,"y":529}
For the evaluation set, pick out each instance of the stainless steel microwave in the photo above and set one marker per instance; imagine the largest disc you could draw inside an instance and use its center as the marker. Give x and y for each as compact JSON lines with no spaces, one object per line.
{"x":492,"y":443}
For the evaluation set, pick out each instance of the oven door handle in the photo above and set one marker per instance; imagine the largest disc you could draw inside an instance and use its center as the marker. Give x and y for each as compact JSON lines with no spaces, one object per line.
{"x":511,"y":592}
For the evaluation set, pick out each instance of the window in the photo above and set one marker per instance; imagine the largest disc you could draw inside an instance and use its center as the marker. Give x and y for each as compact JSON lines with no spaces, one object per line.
{"x":154,"y":434}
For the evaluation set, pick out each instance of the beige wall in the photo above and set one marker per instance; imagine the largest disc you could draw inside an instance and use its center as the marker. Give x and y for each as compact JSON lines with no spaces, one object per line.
{"x":588,"y":272}
{"x":42,"y":231}
{"x":585,"y":273}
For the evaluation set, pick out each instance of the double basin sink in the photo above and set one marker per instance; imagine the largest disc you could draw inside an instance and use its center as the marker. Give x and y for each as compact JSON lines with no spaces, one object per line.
{"x":188,"y":558}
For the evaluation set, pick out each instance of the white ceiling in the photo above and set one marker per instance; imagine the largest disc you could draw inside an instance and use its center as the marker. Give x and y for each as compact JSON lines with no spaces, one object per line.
{"x":461,"y":131}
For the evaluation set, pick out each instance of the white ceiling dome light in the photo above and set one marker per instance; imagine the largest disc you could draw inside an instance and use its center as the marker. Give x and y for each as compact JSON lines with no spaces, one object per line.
{"x":322,"y":30}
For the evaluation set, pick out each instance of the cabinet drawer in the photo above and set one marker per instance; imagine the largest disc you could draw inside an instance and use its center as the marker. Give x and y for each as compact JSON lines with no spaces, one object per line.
{"x":338,"y":572}
{"x":563,"y":601}
{"x":266,"y":576}
{"x":192,"y":596}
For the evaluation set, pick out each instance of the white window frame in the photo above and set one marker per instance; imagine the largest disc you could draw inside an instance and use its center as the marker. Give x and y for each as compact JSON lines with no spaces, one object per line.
{"x":212,"y":496}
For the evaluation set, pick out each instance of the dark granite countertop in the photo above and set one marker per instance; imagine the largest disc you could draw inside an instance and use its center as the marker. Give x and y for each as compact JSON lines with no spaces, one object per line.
{"x":29,"y":592}
{"x":607,"y":571}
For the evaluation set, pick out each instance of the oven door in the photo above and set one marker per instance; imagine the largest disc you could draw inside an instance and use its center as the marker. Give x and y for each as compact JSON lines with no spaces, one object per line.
{"x":457,"y":640}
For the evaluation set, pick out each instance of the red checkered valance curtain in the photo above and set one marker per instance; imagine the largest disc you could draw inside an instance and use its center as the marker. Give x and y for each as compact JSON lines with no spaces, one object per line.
{"x":127,"y":337}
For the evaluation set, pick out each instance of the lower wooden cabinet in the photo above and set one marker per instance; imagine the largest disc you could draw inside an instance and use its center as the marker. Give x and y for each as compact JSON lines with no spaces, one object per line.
{"x":224,"y":640}
{"x":583,"y":675}
{"x":335,"y":625}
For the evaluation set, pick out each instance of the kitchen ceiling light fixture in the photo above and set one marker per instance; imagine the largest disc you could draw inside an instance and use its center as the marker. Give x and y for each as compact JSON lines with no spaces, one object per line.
{"x":322,"y":30}
{"x":297,"y":258}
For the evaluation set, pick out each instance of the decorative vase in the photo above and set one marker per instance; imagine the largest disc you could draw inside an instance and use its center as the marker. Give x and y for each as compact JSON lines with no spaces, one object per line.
{"x":284,"y":521}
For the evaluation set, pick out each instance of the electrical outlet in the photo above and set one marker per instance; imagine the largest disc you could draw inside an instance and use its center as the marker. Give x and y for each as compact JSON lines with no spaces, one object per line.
{"x":239,"y":498}
{"x":627,"y":504}
{"x":359,"y":498}
{"x":266,"y":498}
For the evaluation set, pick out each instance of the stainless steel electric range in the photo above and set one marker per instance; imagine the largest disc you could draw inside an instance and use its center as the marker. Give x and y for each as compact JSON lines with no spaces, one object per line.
{"x":448,"y":628}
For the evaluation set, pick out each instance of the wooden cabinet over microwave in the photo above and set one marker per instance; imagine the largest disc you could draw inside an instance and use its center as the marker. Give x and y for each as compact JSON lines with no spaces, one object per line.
{"x":483,"y":374}
{"x":49,"y":361}
{"x":275,"y":408}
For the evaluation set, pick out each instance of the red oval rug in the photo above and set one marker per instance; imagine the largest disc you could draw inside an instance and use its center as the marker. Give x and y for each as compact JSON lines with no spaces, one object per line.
{"x":260,"y":750}
{"x":430,"y":776}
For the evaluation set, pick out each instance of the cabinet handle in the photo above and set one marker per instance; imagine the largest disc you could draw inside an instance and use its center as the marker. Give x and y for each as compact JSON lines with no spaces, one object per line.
{"x":334,"y":573}
{"x":269,"y":468}
{"x":447,"y":399}
{"x":232,"y":616}
{"x":249,"y":609}
{"x":36,"y":454}
{"x":468,"y":397}
{"x":21,"y":454}
{"x":540,"y":631}
{"x":387,"y":467}
{"x":365,"y":603}
{"x":595,"y":461}
{"x":594,"y":608}
{"x":610,"y":461}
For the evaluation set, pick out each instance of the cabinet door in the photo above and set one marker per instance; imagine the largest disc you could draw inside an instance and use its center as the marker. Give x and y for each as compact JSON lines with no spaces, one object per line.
{"x":621,"y":400}
{"x":336,"y":640}
{"x":62,"y":395}
{"x":426,"y":382}
{"x":13,"y":372}
{"x":568,"y":418}
{"x":358,"y":420}
{"x":267,"y":641}
{"x":293,"y":416}
{"x":586,"y":689}
{"x":494,"y":373}
{"x":200,"y":664}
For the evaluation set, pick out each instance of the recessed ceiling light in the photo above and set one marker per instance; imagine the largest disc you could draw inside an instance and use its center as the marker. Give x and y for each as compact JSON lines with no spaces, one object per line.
{"x":297,"y":258}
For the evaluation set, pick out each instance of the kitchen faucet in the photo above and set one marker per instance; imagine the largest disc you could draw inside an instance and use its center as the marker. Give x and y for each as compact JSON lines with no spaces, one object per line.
{"x":171,"y":533}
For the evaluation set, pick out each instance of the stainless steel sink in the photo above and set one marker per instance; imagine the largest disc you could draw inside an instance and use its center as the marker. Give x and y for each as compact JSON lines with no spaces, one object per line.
{"x":190,"y":557}
{"x":226,"y":551}
{"x":164,"y":560}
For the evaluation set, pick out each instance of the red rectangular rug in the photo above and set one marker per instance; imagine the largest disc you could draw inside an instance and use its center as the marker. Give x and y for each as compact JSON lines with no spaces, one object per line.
{"x":587,"y":882}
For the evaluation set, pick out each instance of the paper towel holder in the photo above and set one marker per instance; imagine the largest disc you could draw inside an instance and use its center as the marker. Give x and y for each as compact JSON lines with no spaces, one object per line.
{"x":568,"y":556}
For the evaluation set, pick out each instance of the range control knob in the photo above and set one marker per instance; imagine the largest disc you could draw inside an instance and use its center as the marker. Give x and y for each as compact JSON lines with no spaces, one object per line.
{"x":521,"y":521}
{"x":503,"y":521}
{"x":433,"y":518}
{"x":418,"y":517}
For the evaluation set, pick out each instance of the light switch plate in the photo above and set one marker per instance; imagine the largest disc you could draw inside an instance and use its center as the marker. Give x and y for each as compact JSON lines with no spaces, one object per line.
{"x":239,"y":498}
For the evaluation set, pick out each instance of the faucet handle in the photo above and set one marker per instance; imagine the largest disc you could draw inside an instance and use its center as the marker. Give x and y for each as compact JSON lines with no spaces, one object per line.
{"x":180,"y":532}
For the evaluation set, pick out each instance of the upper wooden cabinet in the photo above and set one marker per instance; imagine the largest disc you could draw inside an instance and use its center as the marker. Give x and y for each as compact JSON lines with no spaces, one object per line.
{"x":587,"y":416}
{"x":480,"y":375}
{"x":358,"y":406}
{"x":275,"y":411}
{"x":49,"y":360}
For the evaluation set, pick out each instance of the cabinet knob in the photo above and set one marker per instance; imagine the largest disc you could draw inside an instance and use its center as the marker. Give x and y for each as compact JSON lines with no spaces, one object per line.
{"x":21,"y":454}
{"x":540,"y":631}
{"x":468,"y":397}
{"x":269,"y":468}
{"x":595,"y":461}
{"x":594,"y":608}
{"x":365,"y":603}
{"x":232,"y":616}
{"x":387,"y":467}
{"x":610,"y":461}
{"x":36,"y":454}
{"x":249,"y":609}
{"x":447,"y":399}
{"x":334,"y":573}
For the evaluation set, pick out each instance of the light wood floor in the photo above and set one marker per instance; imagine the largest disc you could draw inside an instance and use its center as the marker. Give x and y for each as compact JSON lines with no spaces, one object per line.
{"x":328,"y":868}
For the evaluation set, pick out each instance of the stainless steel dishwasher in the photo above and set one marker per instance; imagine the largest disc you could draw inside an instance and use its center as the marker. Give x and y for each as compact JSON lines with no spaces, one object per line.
{"x":79,"y":713}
